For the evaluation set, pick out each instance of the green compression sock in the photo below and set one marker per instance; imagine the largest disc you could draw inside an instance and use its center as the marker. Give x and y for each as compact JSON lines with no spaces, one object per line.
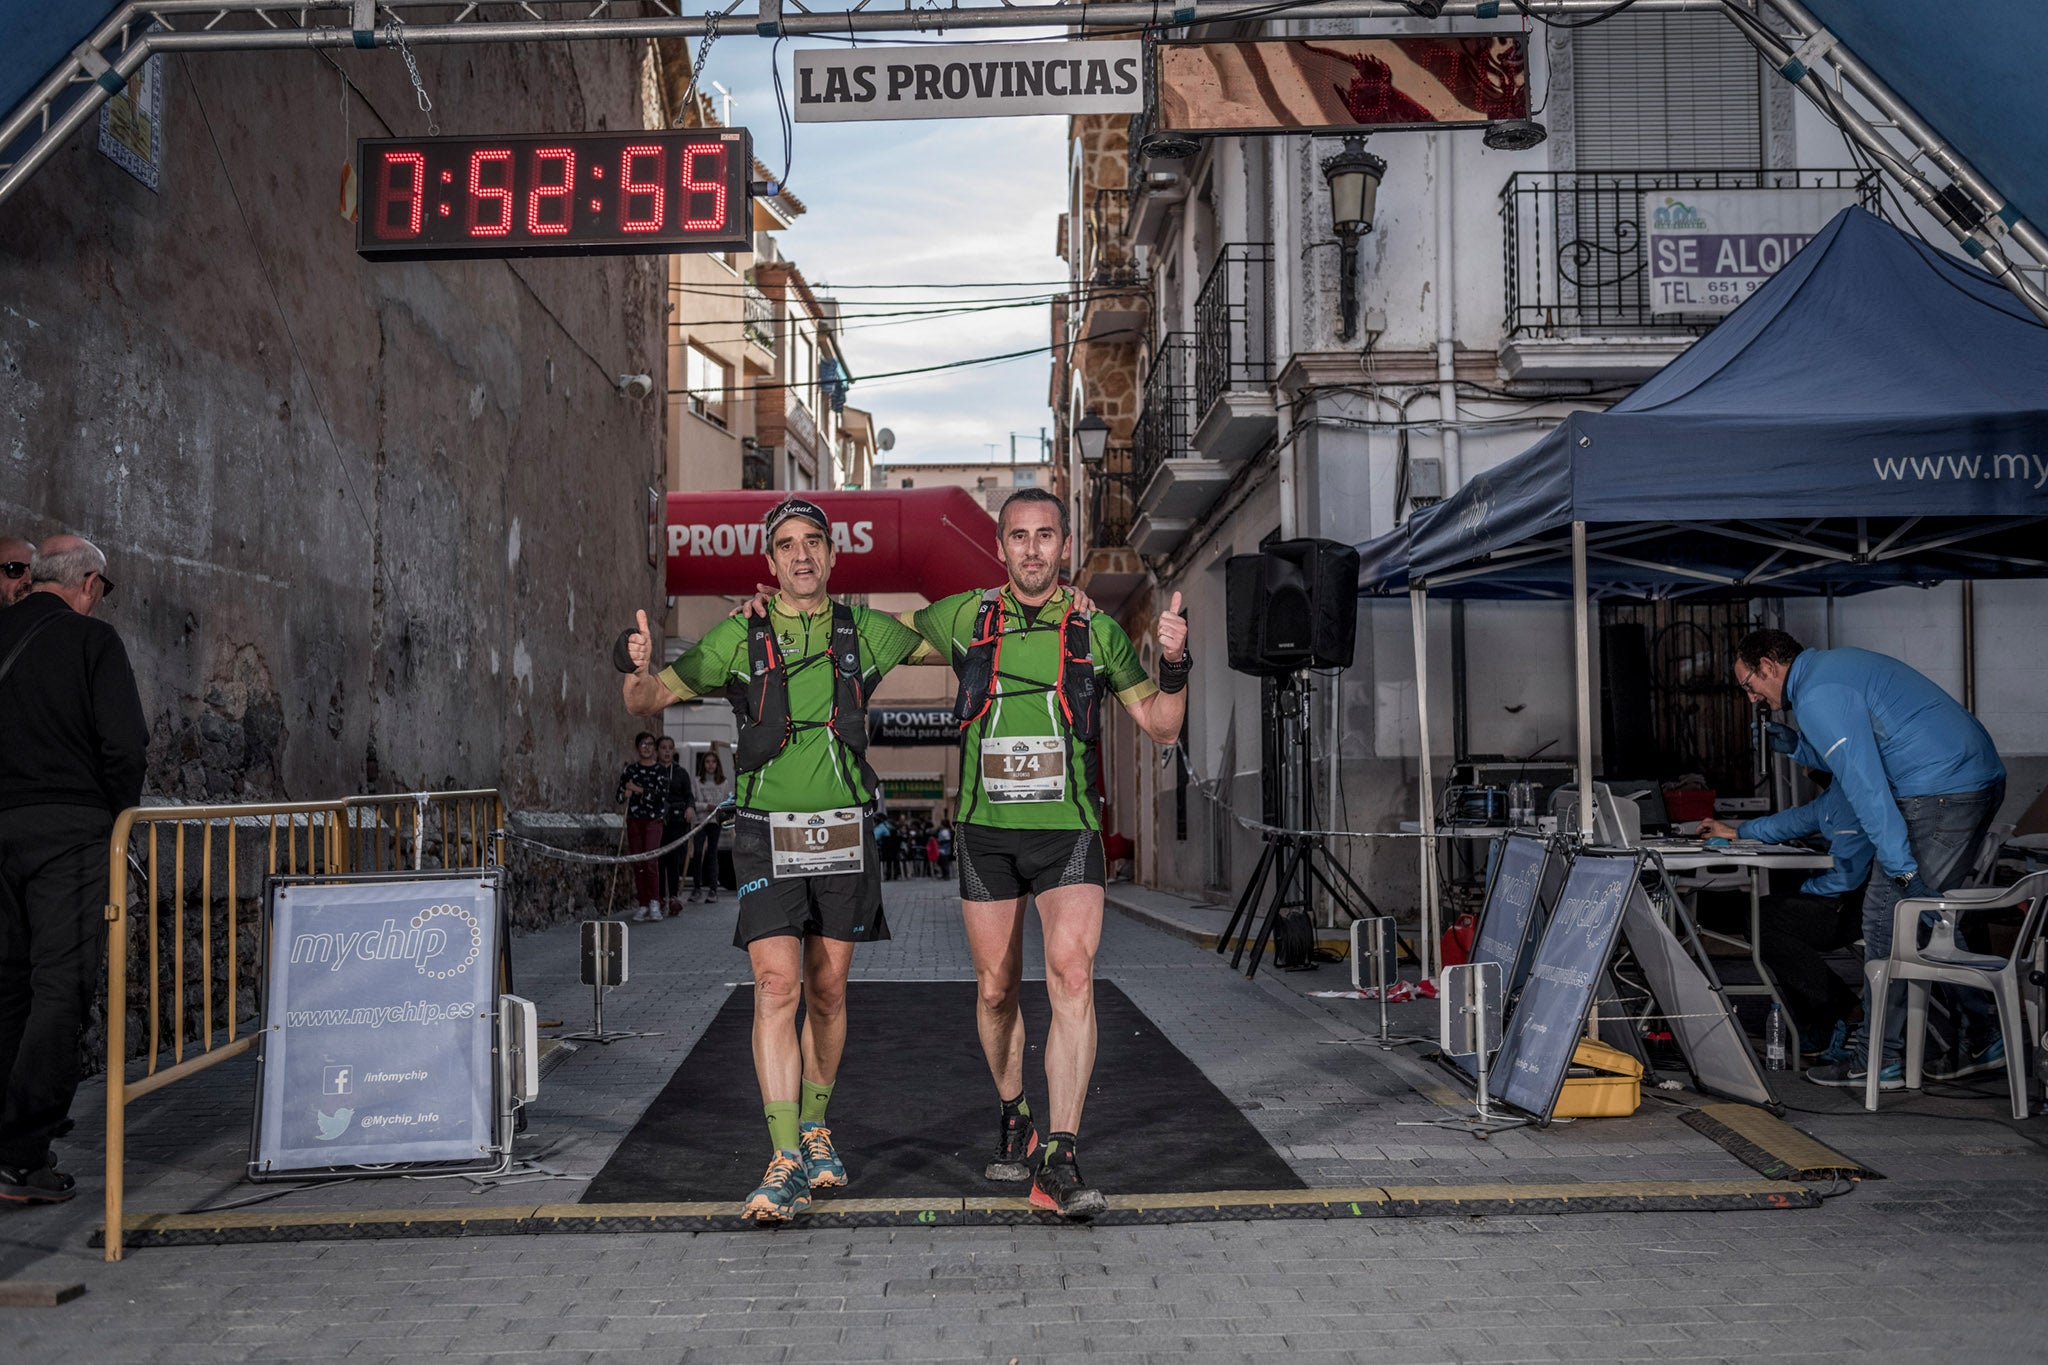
{"x":781,"y":1124}
{"x":1017,"y":1108}
{"x":816,"y":1097}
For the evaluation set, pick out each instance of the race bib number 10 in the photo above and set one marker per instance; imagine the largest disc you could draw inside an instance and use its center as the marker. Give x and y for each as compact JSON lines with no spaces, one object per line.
{"x":815,"y":844}
{"x":1024,"y":769}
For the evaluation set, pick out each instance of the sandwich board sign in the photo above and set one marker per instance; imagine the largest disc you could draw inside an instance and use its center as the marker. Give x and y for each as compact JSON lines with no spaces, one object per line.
{"x":1570,"y":963}
{"x":379,"y":1009}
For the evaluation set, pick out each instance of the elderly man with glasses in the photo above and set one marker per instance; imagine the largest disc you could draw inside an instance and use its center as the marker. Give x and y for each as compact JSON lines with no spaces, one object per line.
{"x":16,"y":555}
{"x":72,"y":739}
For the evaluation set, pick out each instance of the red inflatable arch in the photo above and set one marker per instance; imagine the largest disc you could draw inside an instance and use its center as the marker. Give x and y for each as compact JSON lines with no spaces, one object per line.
{"x":933,"y":541}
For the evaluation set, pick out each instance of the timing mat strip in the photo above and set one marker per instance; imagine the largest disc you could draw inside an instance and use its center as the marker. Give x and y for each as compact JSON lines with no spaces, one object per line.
{"x":1130,"y":1210}
{"x":1772,"y":1147}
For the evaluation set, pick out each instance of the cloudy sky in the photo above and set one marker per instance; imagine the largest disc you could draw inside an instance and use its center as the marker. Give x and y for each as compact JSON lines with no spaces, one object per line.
{"x":928,"y":203}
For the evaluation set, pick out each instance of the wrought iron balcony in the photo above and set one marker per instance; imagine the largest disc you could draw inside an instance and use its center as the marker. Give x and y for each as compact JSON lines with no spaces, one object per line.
{"x":1111,"y":500}
{"x":1109,"y":262}
{"x":757,"y":321}
{"x":1233,"y":352}
{"x":1166,"y":422}
{"x":1576,"y":255}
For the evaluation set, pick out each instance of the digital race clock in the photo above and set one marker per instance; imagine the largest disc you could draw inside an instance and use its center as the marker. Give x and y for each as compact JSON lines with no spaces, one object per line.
{"x":570,"y":194}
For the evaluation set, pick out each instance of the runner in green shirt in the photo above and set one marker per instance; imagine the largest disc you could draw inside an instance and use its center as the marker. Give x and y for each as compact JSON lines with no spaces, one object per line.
{"x":803,"y":845}
{"x":1033,"y":670}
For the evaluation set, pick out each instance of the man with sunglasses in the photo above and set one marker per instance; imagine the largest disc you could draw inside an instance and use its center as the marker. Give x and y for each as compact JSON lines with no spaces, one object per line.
{"x":16,"y":555}
{"x":72,"y":739}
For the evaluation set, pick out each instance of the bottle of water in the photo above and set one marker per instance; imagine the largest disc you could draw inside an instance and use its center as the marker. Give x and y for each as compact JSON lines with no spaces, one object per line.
{"x":1774,"y":1039}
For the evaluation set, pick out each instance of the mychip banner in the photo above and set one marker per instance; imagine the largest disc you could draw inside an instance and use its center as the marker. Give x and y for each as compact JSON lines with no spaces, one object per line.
{"x":378,"y":1012}
{"x":1342,"y":85}
{"x":984,"y":80}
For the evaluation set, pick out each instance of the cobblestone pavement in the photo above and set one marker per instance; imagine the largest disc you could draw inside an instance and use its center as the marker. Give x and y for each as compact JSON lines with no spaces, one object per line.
{"x":1942,"y":1260}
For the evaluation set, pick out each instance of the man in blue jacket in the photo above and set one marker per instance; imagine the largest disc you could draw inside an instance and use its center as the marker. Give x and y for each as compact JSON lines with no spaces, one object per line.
{"x":1924,"y":782}
{"x":1797,"y":932}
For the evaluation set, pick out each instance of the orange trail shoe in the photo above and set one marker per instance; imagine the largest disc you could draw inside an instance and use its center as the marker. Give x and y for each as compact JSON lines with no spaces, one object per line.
{"x":823,"y":1169}
{"x":784,"y":1193}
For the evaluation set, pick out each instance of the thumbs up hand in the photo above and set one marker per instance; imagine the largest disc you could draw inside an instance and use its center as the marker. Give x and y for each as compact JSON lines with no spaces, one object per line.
{"x":640,"y":644}
{"x":1173,"y":632}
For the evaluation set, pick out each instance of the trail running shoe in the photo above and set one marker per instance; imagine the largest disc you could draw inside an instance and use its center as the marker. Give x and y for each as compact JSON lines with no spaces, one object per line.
{"x":1969,"y":1062}
{"x":1016,"y":1143}
{"x":823,"y":1170}
{"x":784,"y":1192}
{"x":1058,"y":1186}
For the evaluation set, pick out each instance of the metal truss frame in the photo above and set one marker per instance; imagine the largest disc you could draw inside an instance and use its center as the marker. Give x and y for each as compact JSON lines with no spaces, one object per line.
{"x":1982,"y":220}
{"x":1785,"y":551}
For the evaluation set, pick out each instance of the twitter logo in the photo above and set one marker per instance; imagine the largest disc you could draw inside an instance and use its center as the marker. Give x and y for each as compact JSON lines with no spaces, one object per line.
{"x":334,"y":1125}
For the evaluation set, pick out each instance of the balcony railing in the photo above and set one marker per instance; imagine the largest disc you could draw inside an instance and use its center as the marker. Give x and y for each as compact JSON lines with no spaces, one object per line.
{"x":1576,"y":254}
{"x":1233,"y":330}
{"x":1109,"y":262}
{"x":1167,"y":420}
{"x":758,"y":318}
{"x":1111,"y":500}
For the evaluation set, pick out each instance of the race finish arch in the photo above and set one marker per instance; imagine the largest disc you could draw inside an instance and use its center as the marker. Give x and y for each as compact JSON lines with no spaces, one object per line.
{"x":933,"y":541}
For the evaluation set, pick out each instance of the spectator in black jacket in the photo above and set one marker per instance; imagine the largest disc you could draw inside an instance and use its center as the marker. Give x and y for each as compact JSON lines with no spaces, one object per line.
{"x":16,"y":555}
{"x":72,"y":739}
{"x":644,"y":790}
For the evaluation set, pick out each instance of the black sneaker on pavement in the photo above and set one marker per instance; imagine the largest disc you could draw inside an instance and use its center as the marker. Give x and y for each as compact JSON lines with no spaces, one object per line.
{"x":41,"y":1185}
{"x":1016,"y":1144}
{"x":1971,"y":1061}
{"x":1058,"y":1186}
{"x":1854,"y":1075}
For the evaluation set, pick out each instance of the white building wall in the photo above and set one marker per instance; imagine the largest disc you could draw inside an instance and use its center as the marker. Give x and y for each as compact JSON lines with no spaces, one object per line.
{"x":1520,"y":688}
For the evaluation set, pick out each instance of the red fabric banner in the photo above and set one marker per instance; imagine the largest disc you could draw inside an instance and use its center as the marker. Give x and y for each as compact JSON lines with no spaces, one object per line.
{"x":934,"y":541}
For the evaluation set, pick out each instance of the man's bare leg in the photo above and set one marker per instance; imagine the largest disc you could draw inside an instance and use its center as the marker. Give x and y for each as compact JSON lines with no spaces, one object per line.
{"x":995,"y":940}
{"x":778,"y":1066}
{"x":1071,"y":917}
{"x":778,"y":1063}
{"x":826,"y":962}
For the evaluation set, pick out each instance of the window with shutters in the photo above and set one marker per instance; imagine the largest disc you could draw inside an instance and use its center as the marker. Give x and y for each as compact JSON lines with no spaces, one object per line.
{"x":708,"y":382}
{"x":1666,"y":92}
{"x":1657,"y":99}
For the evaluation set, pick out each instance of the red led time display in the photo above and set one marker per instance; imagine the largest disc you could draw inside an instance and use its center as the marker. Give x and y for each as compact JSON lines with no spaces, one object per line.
{"x":573,"y":194}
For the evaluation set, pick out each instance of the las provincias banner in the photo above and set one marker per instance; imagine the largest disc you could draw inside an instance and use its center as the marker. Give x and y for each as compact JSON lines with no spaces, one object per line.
{"x":986,"y":80}
{"x":933,"y":541}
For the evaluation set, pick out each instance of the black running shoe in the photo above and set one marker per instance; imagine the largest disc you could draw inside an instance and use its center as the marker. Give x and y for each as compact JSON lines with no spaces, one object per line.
{"x":42,"y":1185}
{"x":1016,"y":1143}
{"x":1058,"y":1186}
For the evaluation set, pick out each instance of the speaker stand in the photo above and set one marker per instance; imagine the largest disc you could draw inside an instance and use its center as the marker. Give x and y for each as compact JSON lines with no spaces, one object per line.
{"x":1292,"y":862}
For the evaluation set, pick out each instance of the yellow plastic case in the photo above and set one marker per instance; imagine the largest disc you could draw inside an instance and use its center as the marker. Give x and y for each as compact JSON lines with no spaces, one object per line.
{"x":1614,"y":1093}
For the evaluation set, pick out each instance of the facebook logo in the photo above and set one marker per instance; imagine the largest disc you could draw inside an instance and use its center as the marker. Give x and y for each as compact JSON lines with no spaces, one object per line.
{"x":337,"y":1080}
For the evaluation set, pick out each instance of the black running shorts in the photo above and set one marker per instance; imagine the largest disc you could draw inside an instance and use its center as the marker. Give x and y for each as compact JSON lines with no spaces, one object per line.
{"x":1003,"y":864}
{"x":845,"y":906}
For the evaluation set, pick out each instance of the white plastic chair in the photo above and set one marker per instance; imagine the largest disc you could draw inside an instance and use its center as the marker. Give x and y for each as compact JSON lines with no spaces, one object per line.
{"x":1986,"y":866}
{"x":1946,"y":960}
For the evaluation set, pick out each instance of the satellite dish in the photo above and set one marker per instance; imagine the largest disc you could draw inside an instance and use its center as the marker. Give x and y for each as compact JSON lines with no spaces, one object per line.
{"x":885,"y":439}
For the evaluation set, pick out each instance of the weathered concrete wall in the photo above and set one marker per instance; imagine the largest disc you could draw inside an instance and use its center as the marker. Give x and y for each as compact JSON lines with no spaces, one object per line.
{"x":373,"y":525}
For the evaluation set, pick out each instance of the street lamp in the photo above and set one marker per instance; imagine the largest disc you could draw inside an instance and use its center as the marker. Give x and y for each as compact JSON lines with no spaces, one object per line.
{"x":1354,"y":179}
{"x":1092,"y":434}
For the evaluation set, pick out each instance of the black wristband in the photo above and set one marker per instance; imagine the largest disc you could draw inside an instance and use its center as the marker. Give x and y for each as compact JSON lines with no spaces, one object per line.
{"x":1173,"y":673}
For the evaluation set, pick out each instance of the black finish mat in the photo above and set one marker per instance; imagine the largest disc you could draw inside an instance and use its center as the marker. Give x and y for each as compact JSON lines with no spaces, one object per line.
{"x":914,"y":1113}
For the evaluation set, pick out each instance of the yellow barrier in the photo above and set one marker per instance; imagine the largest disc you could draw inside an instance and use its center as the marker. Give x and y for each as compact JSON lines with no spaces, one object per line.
{"x":469,"y":823}
{"x":301,"y":838}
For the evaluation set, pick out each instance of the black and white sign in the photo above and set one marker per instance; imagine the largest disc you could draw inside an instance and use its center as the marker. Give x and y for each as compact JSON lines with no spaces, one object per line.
{"x":378,"y":1006}
{"x":912,"y":725}
{"x":989,"y":80}
{"x":1570,"y":964}
{"x":1518,"y":900}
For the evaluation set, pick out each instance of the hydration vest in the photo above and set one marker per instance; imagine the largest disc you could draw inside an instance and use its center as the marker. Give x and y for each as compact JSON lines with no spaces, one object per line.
{"x":762,"y":706}
{"x":1080,"y":698}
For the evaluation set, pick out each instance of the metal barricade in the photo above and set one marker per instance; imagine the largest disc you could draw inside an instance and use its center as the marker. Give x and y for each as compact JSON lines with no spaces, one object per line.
{"x":396,"y":832}
{"x":300,"y":838}
{"x":295,"y":838}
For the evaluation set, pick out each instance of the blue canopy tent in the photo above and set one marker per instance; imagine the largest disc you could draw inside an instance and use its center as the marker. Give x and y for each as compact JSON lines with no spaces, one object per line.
{"x":1876,"y":414}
